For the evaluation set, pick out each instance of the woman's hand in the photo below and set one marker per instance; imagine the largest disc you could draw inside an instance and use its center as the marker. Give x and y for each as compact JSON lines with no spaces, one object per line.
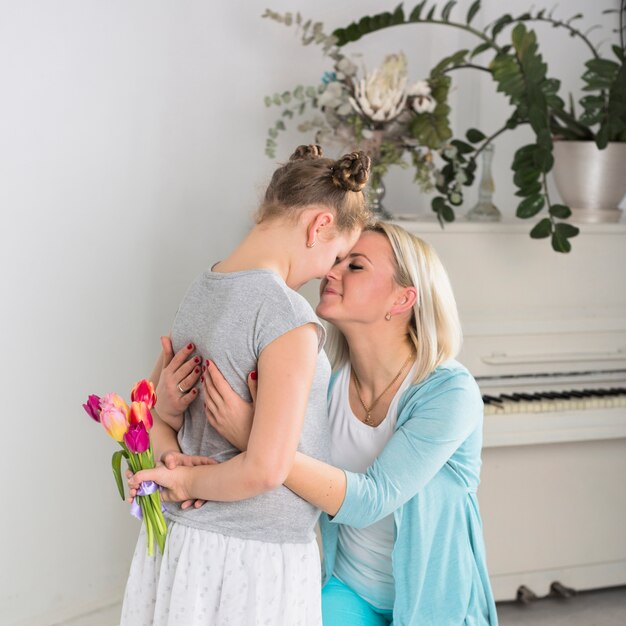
{"x":225,"y":410}
{"x":176,"y":388}
{"x":171,"y":460}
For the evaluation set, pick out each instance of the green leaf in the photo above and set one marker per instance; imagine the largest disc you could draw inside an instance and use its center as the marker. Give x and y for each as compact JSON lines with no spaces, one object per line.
{"x":443,"y":210}
{"x":560,"y":244}
{"x":566,"y":230}
{"x":529,"y":190}
{"x":530,"y":206}
{"x":543,"y":159}
{"x":473,"y":135}
{"x":416,"y":12}
{"x":286,"y":97}
{"x":276,"y":99}
{"x":429,"y":17}
{"x":500,"y":24}
{"x":462,"y":147}
{"x":447,"y":213}
{"x":478,"y":49}
{"x":524,"y":177}
{"x":116,"y":464}
{"x":560,"y":211}
{"x":445,"y":14}
{"x":542,"y":229}
{"x":472,"y":12}
{"x":268,"y":101}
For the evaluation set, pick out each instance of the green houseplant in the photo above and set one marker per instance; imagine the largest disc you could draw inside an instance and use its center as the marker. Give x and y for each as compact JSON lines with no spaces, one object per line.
{"x":508,"y":50}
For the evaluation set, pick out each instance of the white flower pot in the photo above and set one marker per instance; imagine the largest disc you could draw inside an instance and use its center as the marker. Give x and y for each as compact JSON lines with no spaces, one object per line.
{"x":591,"y":182}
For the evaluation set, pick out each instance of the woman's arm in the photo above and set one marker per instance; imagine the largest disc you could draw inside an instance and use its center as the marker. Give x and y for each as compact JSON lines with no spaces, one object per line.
{"x":286,"y":368}
{"x":169,"y":371}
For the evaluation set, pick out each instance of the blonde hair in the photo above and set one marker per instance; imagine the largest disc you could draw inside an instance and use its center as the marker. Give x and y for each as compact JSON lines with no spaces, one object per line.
{"x":434,"y":328}
{"x":308,"y":179}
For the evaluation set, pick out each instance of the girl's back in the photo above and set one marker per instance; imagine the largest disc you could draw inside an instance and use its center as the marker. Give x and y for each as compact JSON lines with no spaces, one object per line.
{"x":231,"y":318}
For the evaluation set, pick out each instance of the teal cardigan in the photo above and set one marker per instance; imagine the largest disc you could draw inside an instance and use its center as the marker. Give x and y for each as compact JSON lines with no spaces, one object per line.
{"x":427,"y":476}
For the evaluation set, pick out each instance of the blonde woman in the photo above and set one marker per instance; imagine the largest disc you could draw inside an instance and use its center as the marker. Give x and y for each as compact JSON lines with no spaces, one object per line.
{"x":402,"y":534}
{"x":249,"y":556}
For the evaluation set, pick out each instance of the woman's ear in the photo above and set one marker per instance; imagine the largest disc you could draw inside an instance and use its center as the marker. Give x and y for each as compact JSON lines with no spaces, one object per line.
{"x":405,"y":301}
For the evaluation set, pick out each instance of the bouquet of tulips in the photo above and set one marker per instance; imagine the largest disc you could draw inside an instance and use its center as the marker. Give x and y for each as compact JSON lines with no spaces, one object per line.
{"x":129,"y":426}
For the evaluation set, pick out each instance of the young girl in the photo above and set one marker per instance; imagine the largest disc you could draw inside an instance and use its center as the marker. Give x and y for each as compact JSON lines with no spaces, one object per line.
{"x":249,"y":555}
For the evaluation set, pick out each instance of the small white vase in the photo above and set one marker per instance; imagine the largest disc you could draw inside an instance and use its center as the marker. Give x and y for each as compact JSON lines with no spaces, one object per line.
{"x":591,"y":182}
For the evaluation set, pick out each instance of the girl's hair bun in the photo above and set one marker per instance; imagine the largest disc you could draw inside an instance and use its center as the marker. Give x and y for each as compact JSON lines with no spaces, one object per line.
{"x":304,"y":153}
{"x":351,"y":171}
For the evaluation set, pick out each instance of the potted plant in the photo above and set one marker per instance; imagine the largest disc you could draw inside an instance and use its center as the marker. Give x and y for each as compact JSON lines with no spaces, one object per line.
{"x":514,"y":62}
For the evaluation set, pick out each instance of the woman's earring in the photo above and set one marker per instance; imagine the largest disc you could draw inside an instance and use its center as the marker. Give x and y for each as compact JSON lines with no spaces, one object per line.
{"x":310,"y":245}
{"x":388,"y":316}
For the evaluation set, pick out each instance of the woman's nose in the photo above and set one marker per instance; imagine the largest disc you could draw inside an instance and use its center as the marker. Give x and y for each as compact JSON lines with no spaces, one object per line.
{"x":333,"y":273}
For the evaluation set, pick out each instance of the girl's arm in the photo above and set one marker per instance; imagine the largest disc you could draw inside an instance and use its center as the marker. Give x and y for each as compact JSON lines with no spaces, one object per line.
{"x":286,"y":368}
{"x":445,"y":413}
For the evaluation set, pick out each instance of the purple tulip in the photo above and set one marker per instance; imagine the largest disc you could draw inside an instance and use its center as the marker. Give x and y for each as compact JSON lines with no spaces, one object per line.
{"x":93,"y":407}
{"x":137,"y":438}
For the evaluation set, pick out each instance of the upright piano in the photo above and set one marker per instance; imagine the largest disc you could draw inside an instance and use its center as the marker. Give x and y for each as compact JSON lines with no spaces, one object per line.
{"x":545,"y":336}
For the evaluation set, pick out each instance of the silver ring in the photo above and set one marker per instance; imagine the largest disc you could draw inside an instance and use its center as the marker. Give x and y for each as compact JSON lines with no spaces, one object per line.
{"x":181,"y":389}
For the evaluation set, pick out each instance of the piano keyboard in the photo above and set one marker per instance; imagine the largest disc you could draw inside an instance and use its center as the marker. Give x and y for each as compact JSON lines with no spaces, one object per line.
{"x":547,"y":401}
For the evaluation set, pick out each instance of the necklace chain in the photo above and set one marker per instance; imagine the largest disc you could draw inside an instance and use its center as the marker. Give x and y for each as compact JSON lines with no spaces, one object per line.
{"x":357,"y":385}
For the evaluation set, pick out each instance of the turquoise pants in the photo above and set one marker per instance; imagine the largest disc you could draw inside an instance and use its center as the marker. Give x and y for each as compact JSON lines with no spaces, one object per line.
{"x":343,"y":607}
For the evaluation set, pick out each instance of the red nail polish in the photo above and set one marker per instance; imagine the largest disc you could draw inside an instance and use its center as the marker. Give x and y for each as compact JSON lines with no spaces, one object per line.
{"x":253,"y":375}
{"x":201,"y":379}
{"x":203,"y":369}
{"x":190,"y":346}
{"x":193,"y":392}
{"x":197,"y":360}
{"x":208,"y":362}
{"x":197,"y":370}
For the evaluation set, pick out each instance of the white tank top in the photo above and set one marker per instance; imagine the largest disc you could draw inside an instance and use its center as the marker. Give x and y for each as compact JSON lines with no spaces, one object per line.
{"x":363,"y":559}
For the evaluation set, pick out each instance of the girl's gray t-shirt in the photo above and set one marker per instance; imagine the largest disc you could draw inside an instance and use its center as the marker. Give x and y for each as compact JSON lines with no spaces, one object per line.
{"x":231,"y":318}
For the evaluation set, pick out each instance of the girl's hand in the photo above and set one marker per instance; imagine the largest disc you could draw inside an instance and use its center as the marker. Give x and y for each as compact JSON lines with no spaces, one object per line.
{"x":225,"y":410}
{"x":171,"y":460}
{"x":176,"y":388}
{"x":173,"y":482}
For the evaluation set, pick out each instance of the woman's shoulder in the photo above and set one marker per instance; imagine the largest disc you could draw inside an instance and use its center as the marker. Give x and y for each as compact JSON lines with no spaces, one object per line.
{"x":450,"y":378}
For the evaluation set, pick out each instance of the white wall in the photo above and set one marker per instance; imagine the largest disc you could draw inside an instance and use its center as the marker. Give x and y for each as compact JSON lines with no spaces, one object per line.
{"x":131,"y":156}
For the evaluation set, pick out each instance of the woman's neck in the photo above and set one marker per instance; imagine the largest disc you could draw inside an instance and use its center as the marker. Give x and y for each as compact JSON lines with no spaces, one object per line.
{"x":376,"y":354}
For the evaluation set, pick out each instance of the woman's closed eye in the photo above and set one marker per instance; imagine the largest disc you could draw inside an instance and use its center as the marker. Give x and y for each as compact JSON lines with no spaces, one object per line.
{"x":354,"y":266}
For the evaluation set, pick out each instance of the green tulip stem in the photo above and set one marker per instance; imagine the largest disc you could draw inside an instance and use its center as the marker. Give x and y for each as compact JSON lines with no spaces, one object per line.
{"x":145,"y":507}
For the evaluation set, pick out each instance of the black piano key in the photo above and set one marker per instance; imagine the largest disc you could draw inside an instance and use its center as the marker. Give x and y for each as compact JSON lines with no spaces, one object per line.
{"x":491,"y":400}
{"x":577,"y":394}
{"x":506,"y":396}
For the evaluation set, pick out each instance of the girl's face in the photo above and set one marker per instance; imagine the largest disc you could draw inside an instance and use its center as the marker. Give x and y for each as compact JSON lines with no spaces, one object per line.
{"x":360,"y":287}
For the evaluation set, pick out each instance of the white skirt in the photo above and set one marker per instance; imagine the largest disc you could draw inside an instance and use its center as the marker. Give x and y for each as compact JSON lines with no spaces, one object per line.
{"x":207,"y":578}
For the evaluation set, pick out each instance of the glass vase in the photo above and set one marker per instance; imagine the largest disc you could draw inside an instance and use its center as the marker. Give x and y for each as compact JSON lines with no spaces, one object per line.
{"x":374,"y":194}
{"x":485,"y":210}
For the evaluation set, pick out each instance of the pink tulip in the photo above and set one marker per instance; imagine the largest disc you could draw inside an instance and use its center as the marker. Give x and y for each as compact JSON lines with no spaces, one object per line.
{"x":143,"y":391}
{"x":93,"y":407}
{"x":137,"y":438}
{"x":140,"y":414}
{"x":114,"y":416}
